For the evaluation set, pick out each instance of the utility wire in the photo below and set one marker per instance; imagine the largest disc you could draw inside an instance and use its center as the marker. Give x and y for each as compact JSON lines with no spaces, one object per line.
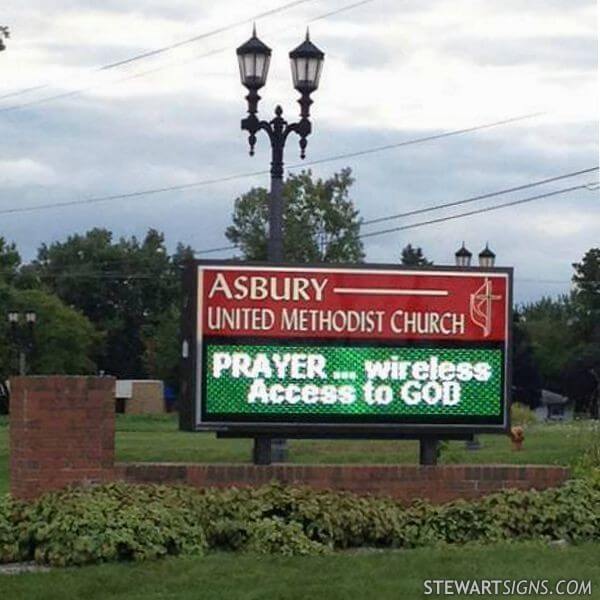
{"x":474,"y":212}
{"x":205,"y":35}
{"x":481,"y":197}
{"x":138,"y":75}
{"x":371,"y":234}
{"x":373,"y":150}
{"x":148,"y":192}
{"x":441,"y":219}
{"x":163,"y":49}
{"x":121,"y":276}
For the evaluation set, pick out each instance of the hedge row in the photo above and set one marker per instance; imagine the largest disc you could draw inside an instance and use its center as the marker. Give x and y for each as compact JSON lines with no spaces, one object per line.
{"x":138,"y":522}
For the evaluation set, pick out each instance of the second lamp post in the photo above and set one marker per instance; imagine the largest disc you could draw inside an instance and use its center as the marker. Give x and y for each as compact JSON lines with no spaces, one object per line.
{"x":254,"y":58}
{"x":487,"y":259}
{"x":21,"y":336}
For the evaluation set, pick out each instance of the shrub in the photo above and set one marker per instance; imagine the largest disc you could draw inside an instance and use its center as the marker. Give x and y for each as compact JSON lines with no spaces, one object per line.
{"x":111,"y":523}
{"x":275,"y":536}
{"x":522,"y":415}
{"x":11,"y":547}
{"x":137,"y":522}
{"x":590,"y":460}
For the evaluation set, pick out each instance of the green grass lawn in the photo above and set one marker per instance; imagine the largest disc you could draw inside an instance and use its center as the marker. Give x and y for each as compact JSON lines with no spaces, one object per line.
{"x":380,"y":575}
{"x":158,"y":439}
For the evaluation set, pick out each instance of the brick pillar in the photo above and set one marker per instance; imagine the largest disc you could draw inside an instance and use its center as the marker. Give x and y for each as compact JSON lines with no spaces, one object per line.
{"x":62,"y":432}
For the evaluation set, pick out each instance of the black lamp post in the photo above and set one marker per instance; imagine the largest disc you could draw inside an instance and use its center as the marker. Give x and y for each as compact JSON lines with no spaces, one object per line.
{"x":4,"y":34}
{"x":254,"y":58}
{"x":22,"y":335}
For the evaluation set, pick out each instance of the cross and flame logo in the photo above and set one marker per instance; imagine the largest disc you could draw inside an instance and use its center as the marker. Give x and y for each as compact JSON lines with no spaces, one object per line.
{"x":481,"y":307}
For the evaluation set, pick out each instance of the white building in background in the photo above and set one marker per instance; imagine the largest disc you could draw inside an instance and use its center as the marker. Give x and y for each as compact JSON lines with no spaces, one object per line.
{"x":554,"y":407}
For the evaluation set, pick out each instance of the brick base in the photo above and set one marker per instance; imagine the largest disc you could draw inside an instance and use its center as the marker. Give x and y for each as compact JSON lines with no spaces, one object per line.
{"x":62,"y":432}
{"x":403,"y":482}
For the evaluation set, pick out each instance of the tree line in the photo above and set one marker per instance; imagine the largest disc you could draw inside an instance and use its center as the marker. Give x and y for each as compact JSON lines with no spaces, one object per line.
{"x":112,"y":305}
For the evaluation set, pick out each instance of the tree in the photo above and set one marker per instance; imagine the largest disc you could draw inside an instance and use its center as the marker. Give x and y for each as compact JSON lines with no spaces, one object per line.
{"x":64,"y":340}
{"x":413,"y":257}
{"x":586,"y":295}
{"x":124,"y":287}
{"x":587,"y":280}
{"x":10,"y":261}
{"x":162,"y":339}
{"x":320,"y":221}
{"x":4,"y":35}
{"x":526,"y":377}
{"x":581,"y":378}
{"x":565,"y":335}
{"x":549,"y":325}
{"x":582,"y":374}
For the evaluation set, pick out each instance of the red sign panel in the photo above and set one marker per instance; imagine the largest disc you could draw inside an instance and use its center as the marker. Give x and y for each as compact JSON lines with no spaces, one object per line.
{"x":375,"y":304}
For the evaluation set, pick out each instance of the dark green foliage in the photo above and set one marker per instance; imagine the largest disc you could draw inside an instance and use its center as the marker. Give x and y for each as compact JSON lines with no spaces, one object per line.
{"x":125,"y":522}
{"x":412,"y":256}
{"x":111,"y":523}
{"x":526,"y":379}
{"x":10,"y":260}
{"x":320,"y":221}
{"x":64,"y":339}
{"x":565,"y":335}
{"x":128,"y":288}
{"x":11,"y":548}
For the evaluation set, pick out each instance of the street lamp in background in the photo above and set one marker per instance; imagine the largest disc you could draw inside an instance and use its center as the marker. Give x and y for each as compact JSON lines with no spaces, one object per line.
{"x":463,"y":257}
{"x":4,"y":35}
{"x":21,"y":336}
{"x":254,"y":58}
{"x":487,"y":259}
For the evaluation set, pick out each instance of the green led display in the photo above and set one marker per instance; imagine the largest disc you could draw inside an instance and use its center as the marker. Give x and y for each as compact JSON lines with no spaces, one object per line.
{"x":309,"y":381}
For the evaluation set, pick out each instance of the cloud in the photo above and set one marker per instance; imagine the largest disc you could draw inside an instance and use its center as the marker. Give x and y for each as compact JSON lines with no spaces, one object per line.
{"x":394,"y":71}
{"x":559,"y":52}
{"x":25,"y":171}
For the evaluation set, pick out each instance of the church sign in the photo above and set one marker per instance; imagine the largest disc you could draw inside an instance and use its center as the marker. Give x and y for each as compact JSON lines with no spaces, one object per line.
{"x":374,"y":350}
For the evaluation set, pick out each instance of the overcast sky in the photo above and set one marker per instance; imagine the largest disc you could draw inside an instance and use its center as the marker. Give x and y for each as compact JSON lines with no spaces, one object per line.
{"x":395,"y":70}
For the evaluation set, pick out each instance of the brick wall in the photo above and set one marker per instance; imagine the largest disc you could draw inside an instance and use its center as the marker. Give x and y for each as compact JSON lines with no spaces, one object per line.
{"x":403,"y":482}
{"x":62,"y":432}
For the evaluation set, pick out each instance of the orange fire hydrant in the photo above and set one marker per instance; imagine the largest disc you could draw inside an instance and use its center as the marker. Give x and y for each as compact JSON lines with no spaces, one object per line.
{"x":517,"y":437}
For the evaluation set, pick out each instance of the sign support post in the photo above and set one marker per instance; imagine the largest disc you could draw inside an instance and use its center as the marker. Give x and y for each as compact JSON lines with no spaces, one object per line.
{"x":428,"y":451}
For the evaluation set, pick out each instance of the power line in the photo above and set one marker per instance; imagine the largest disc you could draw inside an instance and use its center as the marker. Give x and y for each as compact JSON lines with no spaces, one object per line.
{"x":429,"y":138}
{"x":149,"y":192}
{"x":447,"y":218}
{"x":205,"y":35}
{"x":138,"y":75}
{"x":373,"y":150}
{"x":213,"y":250}
{"x":170,"y":47}
{"x":473,"y":212}
{"x":481,"y":197}
{"x":226,"y":48}
{"x":121,"y":275}
{"x":340,"y":10}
